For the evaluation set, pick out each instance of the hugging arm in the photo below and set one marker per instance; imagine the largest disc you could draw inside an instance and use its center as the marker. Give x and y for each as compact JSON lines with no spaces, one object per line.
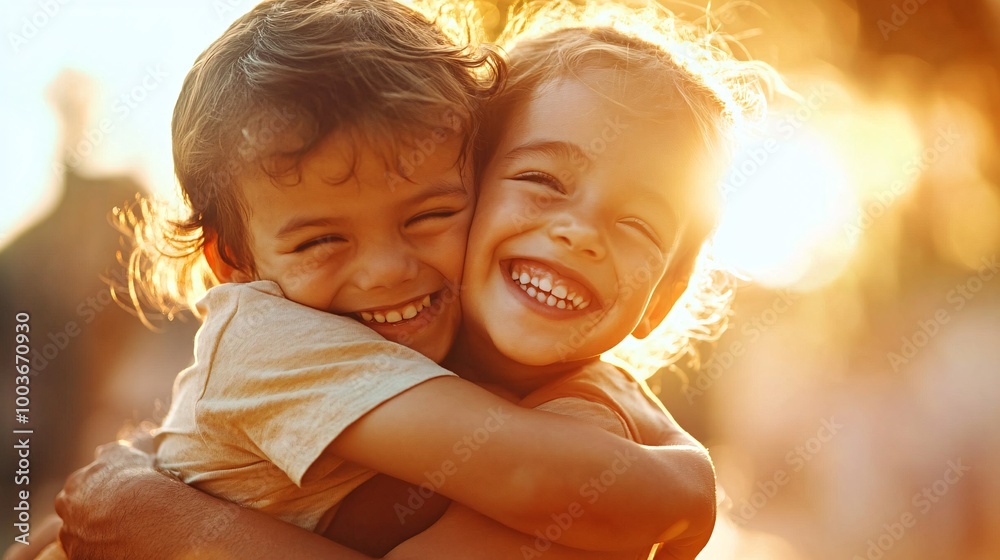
{"x":121,"y":507}
{"x":467,"y":534}
{"x":530,"y":466}
{"x":520,"y":467}
{"x":196,"y":525}
{"x":347,"y":394}
{"x":463,"y":533}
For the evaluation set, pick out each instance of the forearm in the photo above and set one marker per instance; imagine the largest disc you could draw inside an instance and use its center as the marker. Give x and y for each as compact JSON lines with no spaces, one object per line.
{"x":654,"y":495}
{"x":164,"y":518}
{"x":522,"y":467}
{"x":692,"y":507}
{"x":463,"y":533}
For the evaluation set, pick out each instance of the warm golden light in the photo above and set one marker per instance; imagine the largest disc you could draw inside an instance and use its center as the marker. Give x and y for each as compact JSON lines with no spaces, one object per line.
{"x":844,"y":381}
{"x":784,"y":224}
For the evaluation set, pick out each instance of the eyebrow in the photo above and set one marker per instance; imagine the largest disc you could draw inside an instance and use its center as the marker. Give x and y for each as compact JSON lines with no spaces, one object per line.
{"x":554,"y":148}
{"x":667,"y":206}
{"x":440,"y":189}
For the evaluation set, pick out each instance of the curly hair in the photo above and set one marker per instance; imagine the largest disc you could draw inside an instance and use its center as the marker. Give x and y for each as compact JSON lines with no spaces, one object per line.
{"x":279,"y":80}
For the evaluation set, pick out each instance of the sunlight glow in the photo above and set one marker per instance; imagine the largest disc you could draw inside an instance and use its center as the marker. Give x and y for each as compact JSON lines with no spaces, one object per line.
{"x":137,"y":60}
{"x":784,"y":225}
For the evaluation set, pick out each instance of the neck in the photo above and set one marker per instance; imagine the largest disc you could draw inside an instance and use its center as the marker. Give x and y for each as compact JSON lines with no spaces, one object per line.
{"x":476,"y":359}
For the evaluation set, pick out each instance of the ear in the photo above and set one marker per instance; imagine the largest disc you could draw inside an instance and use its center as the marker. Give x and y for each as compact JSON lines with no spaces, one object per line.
{"x":222,"y":270}
{"x":665,"y":295}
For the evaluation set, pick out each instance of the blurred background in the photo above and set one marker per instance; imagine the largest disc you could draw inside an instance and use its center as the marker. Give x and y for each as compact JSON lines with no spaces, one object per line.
{"x":852,"y":406}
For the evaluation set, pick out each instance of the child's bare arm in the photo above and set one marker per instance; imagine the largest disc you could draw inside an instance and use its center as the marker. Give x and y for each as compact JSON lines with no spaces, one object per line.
{"x":384,"y":512}
{"x":468,"y":534}
{"x":120,"y":507}
{"x":120,"y":523}
{"x":520,"y":467}
{"x":463,"y":533}
{"x":391,"y":410}
{"x":472,"y":536}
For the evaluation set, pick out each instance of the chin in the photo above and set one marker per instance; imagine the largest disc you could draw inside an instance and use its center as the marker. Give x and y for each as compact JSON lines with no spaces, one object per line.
{"x":529,"y":354}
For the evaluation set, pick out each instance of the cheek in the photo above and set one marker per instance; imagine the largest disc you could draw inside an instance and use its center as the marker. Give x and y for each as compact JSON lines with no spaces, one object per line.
{"x":311,"y":265}
{"x":637,"y":276}
{"x":446,"y":252}
{"x":308,"y":279}
{"x":638,"y":261}
{"x":503,"y":213}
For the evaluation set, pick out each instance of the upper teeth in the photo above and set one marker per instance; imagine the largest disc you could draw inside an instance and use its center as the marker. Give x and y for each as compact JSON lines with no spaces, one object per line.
{"x":408,"y":311}
{"x":541,"y":288}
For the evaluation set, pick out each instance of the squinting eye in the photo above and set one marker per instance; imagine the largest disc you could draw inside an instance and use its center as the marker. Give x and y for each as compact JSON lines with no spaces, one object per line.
{"x":436,"y":214}
{"x":645,"y":229}
{"x":542,"y":179}
{"x":319,"y":241}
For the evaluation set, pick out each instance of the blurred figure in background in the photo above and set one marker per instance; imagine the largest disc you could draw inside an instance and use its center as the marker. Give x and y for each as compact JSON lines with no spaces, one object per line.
{"x":94,"y":366}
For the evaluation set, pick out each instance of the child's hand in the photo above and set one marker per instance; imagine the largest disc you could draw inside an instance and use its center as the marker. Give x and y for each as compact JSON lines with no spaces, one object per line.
{"x":121,"y":507}
{"x":90,"y":502}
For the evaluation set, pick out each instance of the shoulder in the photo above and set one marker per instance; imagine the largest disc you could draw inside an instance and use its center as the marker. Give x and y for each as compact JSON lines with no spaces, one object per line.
{"x":596,"y":381}
{"x":642,"y":414}
{"x":594,"y":413}
{"x":587,"y":393}
{"x":259,"y":310}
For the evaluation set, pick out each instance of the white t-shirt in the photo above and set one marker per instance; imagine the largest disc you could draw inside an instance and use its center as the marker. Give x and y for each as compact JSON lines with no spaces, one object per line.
{"x":273,"y":384}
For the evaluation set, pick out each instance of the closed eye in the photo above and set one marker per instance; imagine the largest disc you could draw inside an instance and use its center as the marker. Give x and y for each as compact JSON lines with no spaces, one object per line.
{"x":319,"y":241}
{"x":433,"y":215}
{"x":541,"y":178}
{"x":645,"y":229}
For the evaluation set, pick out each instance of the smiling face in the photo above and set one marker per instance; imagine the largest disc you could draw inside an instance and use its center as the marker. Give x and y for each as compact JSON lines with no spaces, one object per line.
{"x":353,"y":239}
{"x":576,"y":229}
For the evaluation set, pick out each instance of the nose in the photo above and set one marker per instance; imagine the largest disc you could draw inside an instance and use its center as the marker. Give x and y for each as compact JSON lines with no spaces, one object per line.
{"x":578,"y":236}
{"x":385,"y":265}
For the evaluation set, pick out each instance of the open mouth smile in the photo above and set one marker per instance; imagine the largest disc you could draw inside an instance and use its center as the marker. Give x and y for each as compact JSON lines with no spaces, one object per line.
{"x":548,"y":286}
{"x":393,"y":315}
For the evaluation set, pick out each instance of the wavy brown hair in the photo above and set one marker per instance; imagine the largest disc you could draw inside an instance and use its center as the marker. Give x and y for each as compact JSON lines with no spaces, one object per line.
{"x":280,"y":79}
